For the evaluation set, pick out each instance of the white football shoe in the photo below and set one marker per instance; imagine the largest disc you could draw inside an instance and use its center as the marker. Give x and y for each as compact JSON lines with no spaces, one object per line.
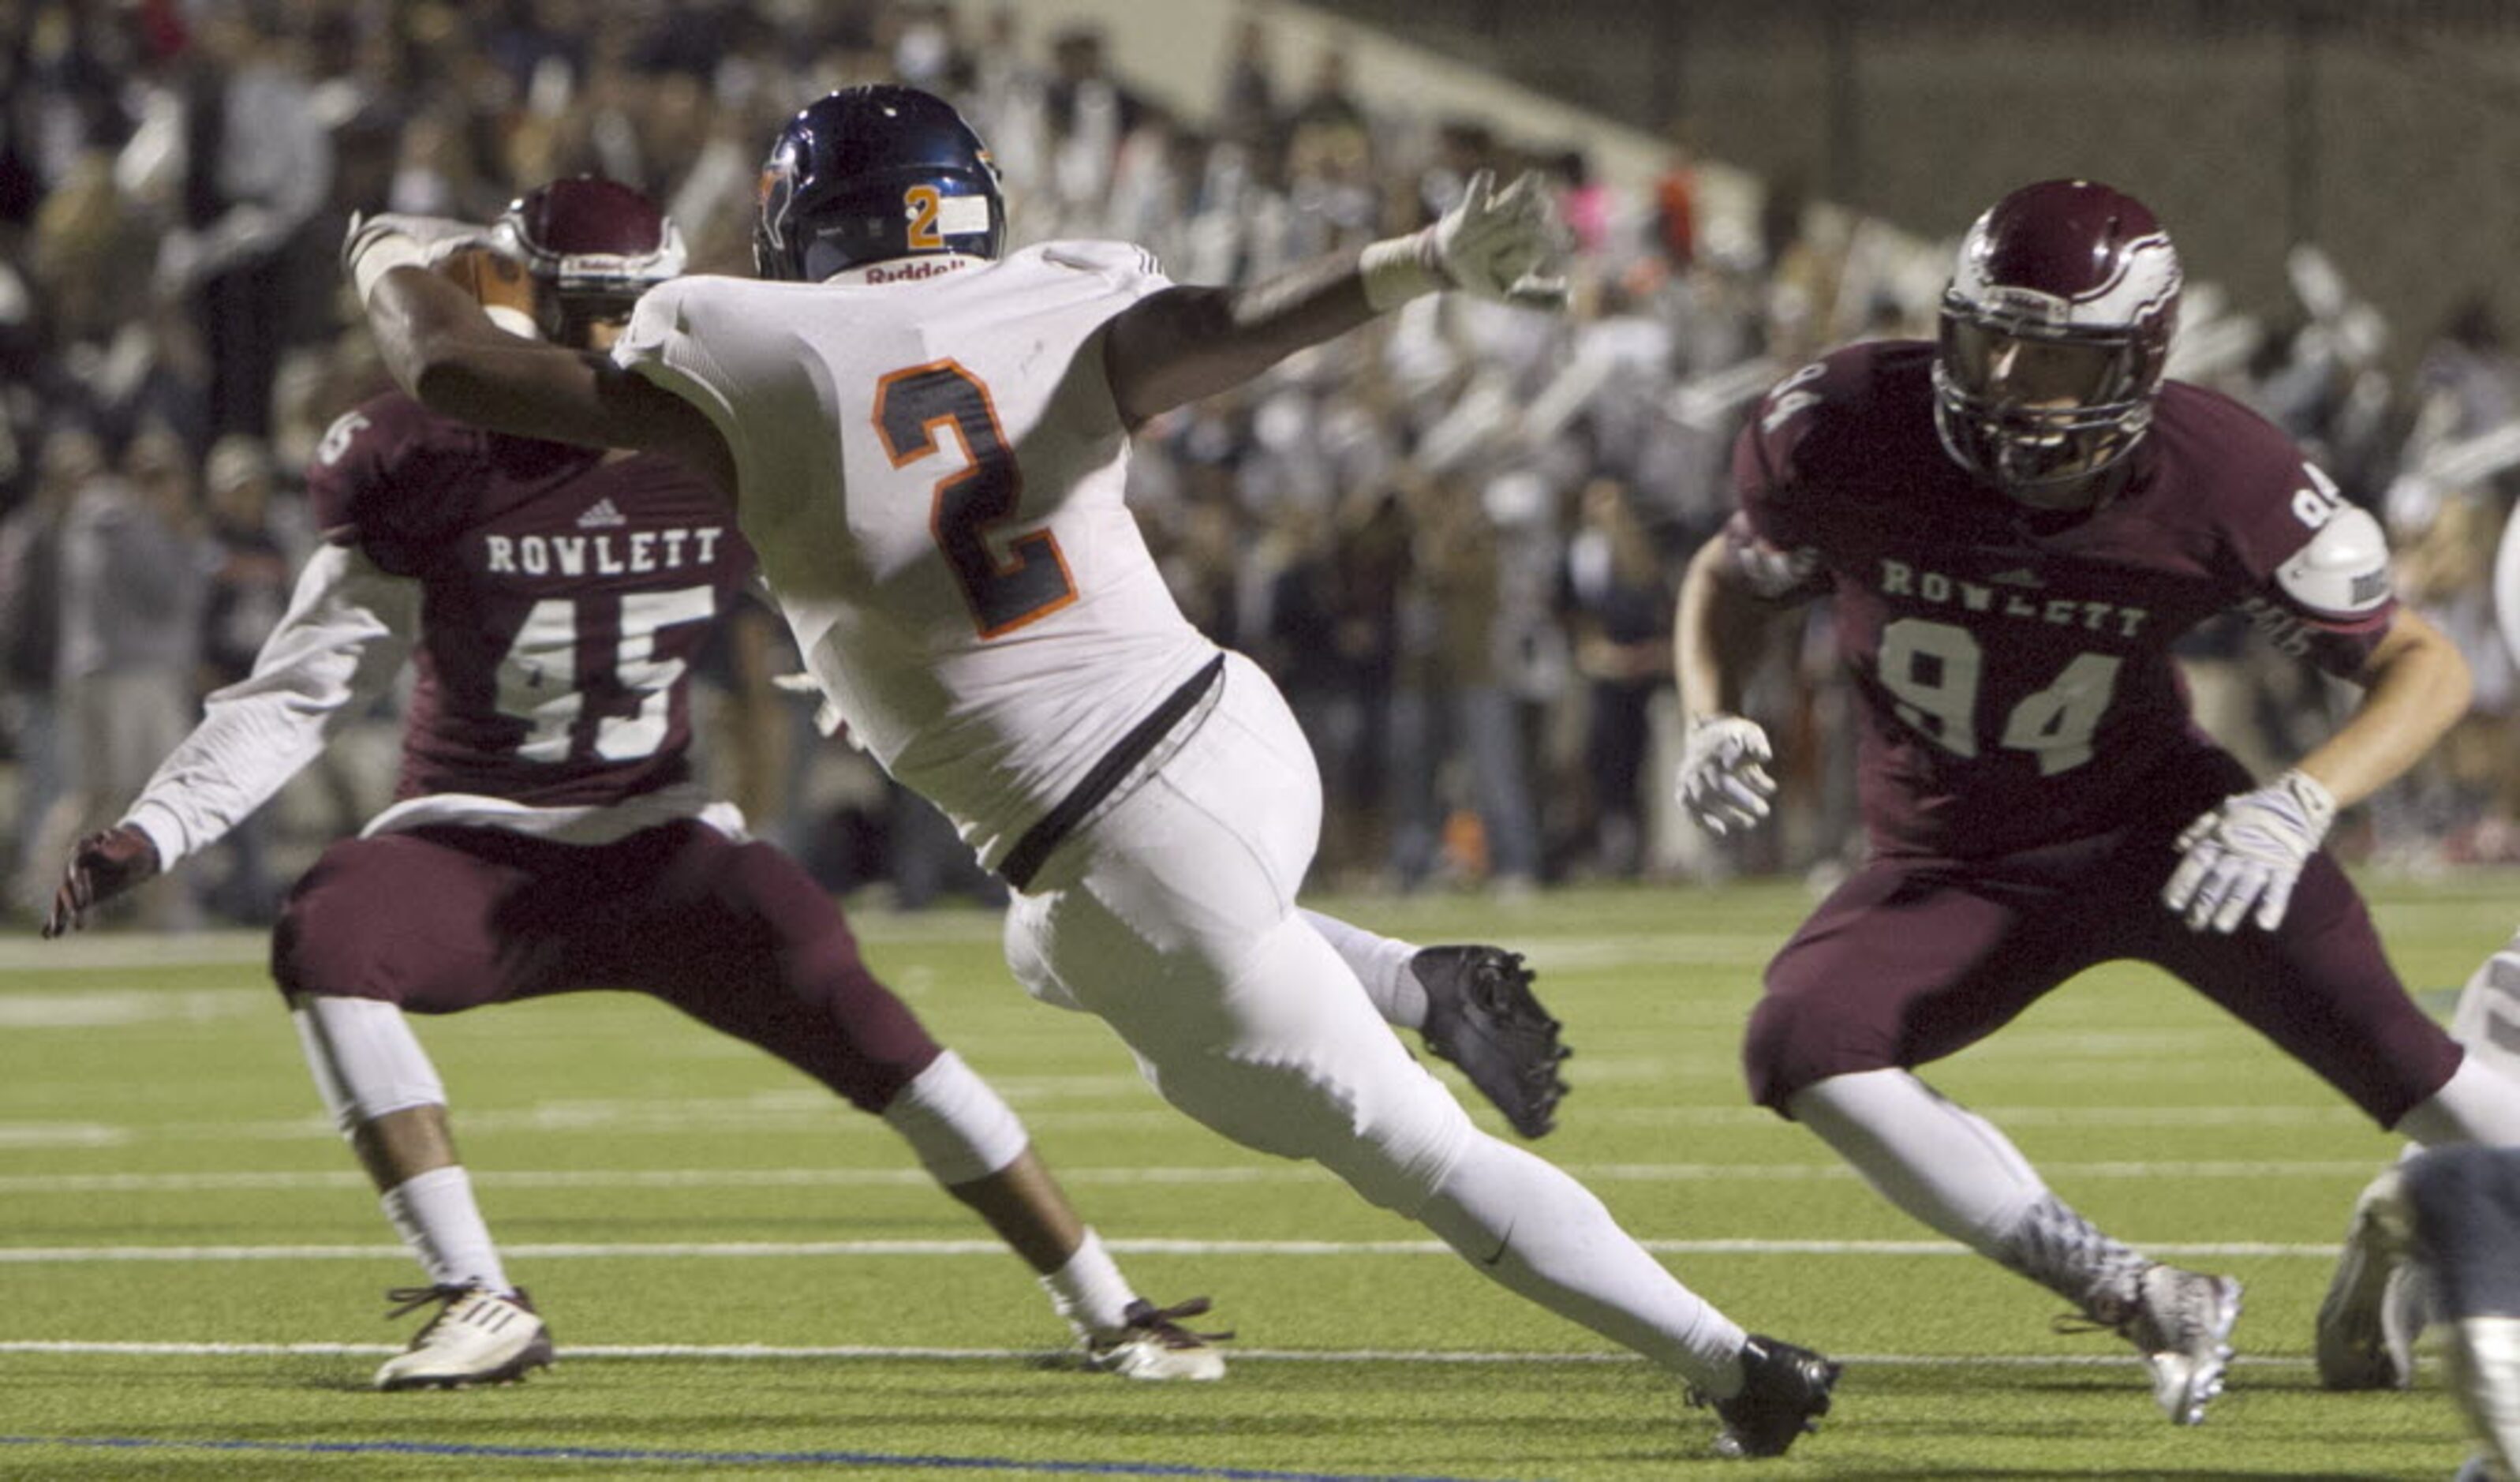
{"x":2376,"y":1305}
{"x":2183,"y":1323}
{"x":1155,"y":1346}
{"x":479,"y":1336}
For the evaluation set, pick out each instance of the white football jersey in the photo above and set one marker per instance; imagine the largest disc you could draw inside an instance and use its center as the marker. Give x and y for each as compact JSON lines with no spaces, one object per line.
{"x":931,"y":474}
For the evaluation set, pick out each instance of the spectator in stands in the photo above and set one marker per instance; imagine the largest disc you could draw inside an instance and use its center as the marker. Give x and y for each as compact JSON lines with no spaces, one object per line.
{"x":249,"y":250}
{"x":1618,"y":595}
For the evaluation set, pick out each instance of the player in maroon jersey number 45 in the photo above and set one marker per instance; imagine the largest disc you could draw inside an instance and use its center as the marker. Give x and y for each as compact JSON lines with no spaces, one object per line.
{"x":2015,"y":522}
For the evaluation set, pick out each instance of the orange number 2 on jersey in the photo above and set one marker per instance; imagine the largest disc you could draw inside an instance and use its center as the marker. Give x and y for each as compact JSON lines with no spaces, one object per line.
{"x":1032,"y":582}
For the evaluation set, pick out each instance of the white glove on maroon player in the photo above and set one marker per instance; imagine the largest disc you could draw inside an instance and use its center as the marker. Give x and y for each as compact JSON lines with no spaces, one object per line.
{"x":1723,"y":780}
{"x":2249,"y":852}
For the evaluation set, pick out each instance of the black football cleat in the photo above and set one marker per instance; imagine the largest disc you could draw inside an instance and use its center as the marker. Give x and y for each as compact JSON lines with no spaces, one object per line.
{"x":1481,"y":1015}
{"x":1784,"y":1391}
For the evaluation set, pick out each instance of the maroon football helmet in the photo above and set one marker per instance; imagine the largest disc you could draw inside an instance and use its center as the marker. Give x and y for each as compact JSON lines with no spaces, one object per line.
{"x":2054,"y":330}
{"x":593,"y":247}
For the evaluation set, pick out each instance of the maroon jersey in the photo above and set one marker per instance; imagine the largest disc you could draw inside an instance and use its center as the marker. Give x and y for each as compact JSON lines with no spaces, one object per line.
{"x":2014,"y":666}
{"x":566,"y":594}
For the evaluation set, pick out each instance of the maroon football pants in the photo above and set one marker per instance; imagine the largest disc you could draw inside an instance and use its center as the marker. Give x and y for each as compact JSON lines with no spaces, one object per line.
{"x":1913,"y":959}
{"x":441,"y":920}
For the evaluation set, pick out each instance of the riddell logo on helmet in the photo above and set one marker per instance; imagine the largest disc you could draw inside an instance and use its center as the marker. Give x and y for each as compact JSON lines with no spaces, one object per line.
{"x":2025,"y":303}
{"x":914,"y":270}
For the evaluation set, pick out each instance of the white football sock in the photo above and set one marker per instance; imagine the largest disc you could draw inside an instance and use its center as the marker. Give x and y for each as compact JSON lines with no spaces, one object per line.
{"x":1381,"y":965}
{"x":436,"y":1217}
{"x":1088,"y":1291}
{"x":1528,"y":1225}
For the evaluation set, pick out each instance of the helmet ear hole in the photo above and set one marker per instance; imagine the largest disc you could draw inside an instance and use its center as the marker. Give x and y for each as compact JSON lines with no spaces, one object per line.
{"x":870,"y":174}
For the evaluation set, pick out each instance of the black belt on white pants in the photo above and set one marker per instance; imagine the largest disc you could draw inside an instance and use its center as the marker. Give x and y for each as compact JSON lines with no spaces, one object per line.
{"x":1024,"y":860}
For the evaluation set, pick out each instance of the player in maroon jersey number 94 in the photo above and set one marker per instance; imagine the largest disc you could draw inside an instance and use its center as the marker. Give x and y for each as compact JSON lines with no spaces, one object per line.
{"x":2015,"y":522}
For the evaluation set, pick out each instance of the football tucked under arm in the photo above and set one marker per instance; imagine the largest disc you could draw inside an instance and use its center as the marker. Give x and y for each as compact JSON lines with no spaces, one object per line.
{"x":499,"y":284}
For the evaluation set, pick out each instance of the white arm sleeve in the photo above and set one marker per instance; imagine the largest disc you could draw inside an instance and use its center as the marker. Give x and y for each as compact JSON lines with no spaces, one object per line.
{"x":345,"y":635}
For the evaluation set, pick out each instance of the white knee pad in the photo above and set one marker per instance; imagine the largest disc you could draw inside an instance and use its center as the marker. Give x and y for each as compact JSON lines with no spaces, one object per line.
{"x":957,"y":1124}
{"x":367,"y":1061}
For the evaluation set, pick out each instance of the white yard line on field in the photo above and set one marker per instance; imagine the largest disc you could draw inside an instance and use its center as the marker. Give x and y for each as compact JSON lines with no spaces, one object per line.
{"x":804,"y":1114}
{"x":292,"y":1181}
{"x":76,"y":1255}
{"x":750,"y":1352}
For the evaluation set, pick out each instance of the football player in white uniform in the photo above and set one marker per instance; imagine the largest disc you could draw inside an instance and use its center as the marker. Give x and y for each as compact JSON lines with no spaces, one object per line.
{"x":549,"y":835}
{"x":926,"y":444}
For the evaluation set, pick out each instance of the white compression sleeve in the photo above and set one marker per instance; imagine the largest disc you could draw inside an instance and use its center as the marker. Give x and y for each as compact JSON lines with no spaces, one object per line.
{"x":960,"y":1126}
{"x":367,"y":1061}
{"x":1936,"y":1160}
{"x":1527,"y":1225}
{"x":2479,"y":1104}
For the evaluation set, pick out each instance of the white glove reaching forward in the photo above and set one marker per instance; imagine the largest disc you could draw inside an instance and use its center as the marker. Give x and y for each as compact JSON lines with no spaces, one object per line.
{"x":2249,"y":852}
{"x":375,"y":245}
{"x":1491,"y":244}
{"x":1723,"y":782}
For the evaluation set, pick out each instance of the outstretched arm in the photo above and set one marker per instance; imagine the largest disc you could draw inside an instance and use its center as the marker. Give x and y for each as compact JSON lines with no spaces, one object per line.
{"x":338,"y":648}
{"x":2416,"y":686}
{"x":1174,"y":347}
{"x":439,"y":347}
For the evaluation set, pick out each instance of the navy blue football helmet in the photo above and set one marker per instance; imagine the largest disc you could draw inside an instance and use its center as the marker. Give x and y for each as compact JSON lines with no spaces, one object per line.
{"x":869,"y":174}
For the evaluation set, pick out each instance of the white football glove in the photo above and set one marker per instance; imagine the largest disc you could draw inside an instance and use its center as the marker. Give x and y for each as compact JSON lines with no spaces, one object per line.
{"x":375,"y":245}
{"x":1721,"y":780}
{"x":1491,"y":244}
{"x":2249,"y":852}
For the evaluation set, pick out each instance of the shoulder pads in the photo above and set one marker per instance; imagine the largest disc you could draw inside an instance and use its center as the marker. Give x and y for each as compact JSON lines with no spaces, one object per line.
{"x":2344,"y":570}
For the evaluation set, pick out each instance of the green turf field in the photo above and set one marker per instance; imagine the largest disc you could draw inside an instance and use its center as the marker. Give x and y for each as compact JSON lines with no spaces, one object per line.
{"x":746,"y":1278}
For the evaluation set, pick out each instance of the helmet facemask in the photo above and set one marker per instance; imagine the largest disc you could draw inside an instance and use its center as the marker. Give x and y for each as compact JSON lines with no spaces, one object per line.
{"x":2024,"y":405}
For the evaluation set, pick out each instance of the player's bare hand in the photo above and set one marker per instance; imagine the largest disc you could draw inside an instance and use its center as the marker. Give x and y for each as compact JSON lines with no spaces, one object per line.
{"x":2249,"y":853}
{"x":1723,"y":779}
{"x":102,"y":867}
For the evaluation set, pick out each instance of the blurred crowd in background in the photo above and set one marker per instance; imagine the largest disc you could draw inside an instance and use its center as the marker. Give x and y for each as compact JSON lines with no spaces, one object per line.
{"x":1455,"y":537}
